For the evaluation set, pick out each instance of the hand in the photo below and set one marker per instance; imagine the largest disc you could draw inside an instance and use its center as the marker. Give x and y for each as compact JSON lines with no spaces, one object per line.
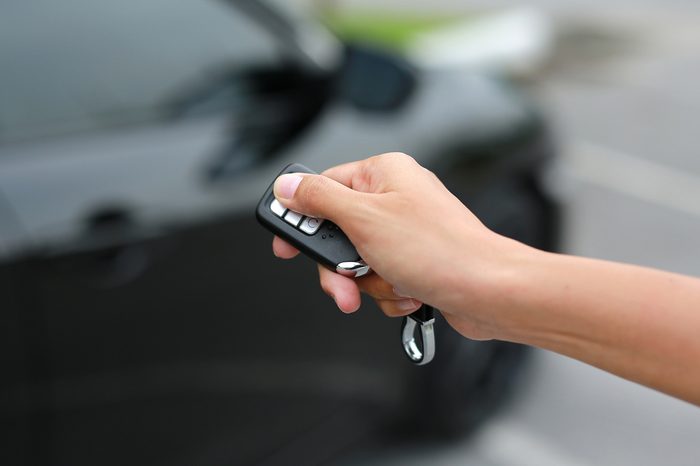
{"x":422,"y":243}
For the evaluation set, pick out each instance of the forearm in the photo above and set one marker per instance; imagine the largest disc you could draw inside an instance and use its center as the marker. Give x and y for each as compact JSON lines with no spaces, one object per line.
{"x":638,"y":323}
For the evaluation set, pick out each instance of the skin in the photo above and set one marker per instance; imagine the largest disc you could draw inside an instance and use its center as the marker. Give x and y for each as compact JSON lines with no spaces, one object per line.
{"x":639,"y":323}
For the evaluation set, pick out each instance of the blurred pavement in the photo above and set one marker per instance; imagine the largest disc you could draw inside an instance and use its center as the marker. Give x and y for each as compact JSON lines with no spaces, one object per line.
{"x":624,"y":95}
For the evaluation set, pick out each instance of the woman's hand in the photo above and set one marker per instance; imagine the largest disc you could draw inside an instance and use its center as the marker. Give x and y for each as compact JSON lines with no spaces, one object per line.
{"x":422,"y":243}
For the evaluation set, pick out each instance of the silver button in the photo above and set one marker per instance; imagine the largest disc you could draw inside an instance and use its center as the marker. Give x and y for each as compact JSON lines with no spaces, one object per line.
{"x":310,"y":225}
{"x":293,"y":218}
{"x":278,"y":208}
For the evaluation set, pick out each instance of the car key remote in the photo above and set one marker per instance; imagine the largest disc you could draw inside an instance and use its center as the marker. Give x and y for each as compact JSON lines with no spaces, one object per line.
{"x":324,"y":242}
{"x":319,"y":239}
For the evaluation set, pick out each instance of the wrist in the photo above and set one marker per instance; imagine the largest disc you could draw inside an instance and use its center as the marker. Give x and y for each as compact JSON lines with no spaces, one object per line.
{"x":517,"y":293}
{"x":508,"y":289}
{"x":489,"y":290}
{"x":530,"y":299}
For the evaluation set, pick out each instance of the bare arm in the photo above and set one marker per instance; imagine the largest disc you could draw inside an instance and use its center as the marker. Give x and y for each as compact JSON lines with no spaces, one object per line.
{"x":426,"y":246}
{"x":639,"y":323}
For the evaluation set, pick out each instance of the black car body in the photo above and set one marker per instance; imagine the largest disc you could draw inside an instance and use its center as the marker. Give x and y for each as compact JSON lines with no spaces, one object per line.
{"x":144,"y":318}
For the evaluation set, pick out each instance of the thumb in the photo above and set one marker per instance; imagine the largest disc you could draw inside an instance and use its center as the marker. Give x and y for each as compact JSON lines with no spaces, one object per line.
{"x":315,"y":195}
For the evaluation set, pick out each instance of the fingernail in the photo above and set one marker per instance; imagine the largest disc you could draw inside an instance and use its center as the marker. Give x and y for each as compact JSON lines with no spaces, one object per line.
{"x":407,"y":304}
{"x":286,"y":185}
{"x":400,"y":293}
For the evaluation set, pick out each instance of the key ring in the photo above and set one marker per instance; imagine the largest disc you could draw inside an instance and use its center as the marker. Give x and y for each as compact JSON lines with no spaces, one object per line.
{"x":425,"y":319}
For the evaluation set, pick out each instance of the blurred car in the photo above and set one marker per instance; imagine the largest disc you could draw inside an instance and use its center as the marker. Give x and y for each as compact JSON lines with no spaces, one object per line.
{"x":144,"y":318}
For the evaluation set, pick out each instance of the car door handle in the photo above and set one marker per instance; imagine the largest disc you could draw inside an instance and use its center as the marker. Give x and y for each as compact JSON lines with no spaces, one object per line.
{"x":113,"y":251}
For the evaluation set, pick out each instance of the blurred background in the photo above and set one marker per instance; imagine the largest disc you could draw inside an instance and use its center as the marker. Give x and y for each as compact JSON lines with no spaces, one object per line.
{"x":144,"y":319}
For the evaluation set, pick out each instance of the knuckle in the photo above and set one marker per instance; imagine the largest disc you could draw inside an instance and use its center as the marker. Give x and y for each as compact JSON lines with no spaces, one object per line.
{"x":391,"y":157}
{"x":392,"y":162}
{"x":433,"y":177}
{"x":375,"y":161}
{"x":402,"y":157}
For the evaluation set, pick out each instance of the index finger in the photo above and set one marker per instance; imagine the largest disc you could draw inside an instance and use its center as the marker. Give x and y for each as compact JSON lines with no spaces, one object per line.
{"x":345,"y":173}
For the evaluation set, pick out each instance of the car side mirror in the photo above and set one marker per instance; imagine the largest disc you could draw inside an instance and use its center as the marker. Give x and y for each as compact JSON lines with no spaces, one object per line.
{"x":377,"y":81}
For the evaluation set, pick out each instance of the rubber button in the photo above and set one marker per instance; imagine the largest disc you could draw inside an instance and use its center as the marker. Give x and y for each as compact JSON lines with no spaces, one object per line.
{"x":293,"y":218}
{"x":310,"y":225}
{"x":277,"y":208}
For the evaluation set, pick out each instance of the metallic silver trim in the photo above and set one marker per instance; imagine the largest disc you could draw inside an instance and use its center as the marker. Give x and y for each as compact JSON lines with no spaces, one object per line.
{"x":410,"y":346}
{"x":352,"y":269}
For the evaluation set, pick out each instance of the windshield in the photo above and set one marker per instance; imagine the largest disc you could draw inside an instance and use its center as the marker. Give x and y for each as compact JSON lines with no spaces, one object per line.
{"x":84,"y":64}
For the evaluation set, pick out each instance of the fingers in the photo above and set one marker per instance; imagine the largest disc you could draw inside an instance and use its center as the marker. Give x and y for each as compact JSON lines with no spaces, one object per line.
{"x":398,"y":308}
{"x":391,"y":302}
{"x":372,"y":174}
{"x":317,"y":195}
{"x":344,"y":173}
{"x":283,"y":249}
{"x":377,"y":287}
{"x":346,"y":293}
{"x":343,"y":290}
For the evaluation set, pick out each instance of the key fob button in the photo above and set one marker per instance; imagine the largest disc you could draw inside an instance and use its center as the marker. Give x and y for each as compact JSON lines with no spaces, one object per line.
{"x":277,"y":208}
{"x":293,"y":218}
{"x":310,"y":225}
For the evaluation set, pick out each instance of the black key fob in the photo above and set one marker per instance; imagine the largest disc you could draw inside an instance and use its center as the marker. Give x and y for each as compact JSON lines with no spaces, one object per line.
{"x":319,"y":239}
